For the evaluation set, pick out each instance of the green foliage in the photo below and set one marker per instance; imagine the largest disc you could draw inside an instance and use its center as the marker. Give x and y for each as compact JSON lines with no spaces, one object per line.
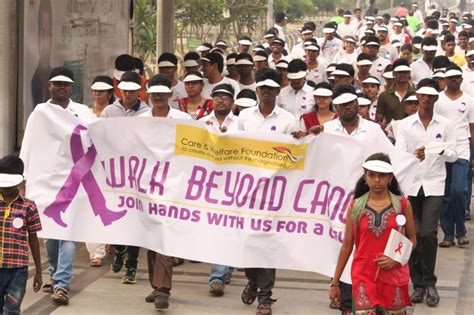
{"x":144,"y":38}
{"x":295,"y":9}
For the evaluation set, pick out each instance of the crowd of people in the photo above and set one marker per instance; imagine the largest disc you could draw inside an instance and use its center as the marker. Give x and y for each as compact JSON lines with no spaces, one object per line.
{"x":404,"y":79}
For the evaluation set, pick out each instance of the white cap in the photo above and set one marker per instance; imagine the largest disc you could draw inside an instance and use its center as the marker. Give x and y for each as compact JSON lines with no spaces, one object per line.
{"x":362,"y":101}
{"x":190,"y":63}
{"x":364,"y":62}
{"x":257,"y":48}
{"x":129,"y":86}
{"x":267,"y":82}
{"x":159,"y":89}
{"x":379,"y":17}
{"x":350,"y":39}
{"x":307,"y":31}
{"x":401,"y":68}
{"x":344,"y":98}
{"x":417,"y":45}
{"x":297,"y":75}
{"x":340,"y":72}
{"x":328,"y":30}
{"x":396,"y":43}
{"x":331,"y":69}
{"x":11,"y":180}
{"x":432,"y":31}
{"x":438,"y":74}
{"x":259,"y":58}
{"x":322,"y":92}
{"x":311,"y":47}
{"x":230,"y":62}
{"x":388,"y":75}
{"x":372,"y":44}
{"x":452,"y":73}
{"x":371,"y":80}
{"x":382,"y":28}
{"x":427,"y":90}
{"x":166,"y":64}
{"x":378,"y":166}
{"x":268,"y":35}
{"x":61,"y":78}
{"x":245,"y":102}
{"x":101,"y":86}
{"x":203,"y":48}
{"x":347,"y":15}
{"x":245,"y":42}
{"x":283,"y":65}
{"x":118,"y":74}
{"x":466,"y":26}
{"x":221,"y":43}
{"x":411,"y":98}
{"x":470,"y":53}
{"x":398,"y":23}
{"x":430,"y":48}
{"x":192,"y":77}
{"x":243,"y":62}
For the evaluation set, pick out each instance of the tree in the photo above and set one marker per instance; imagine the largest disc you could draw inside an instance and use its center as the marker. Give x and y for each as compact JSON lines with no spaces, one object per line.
{"x":144,"y":32}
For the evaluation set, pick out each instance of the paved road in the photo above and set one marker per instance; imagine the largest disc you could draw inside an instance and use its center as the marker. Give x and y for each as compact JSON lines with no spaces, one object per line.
{"x":100,"y":291}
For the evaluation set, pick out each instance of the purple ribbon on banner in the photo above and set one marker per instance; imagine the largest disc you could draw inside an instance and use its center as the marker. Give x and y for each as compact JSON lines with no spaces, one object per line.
{"x":81,"y":174}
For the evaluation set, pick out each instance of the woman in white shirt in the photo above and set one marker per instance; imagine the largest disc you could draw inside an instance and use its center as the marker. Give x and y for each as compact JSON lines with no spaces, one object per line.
{"x":348,"y":53}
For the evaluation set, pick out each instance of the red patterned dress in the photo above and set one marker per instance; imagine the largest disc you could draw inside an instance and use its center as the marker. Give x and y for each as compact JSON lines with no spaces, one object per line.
{"x":386,"y":289}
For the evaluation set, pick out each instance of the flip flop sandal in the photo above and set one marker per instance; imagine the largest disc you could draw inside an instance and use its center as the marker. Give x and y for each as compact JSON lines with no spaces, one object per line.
{"x":48,"y":287}
{"x":335,"y":305}
{"x":447,"y":244}
{"x":178,"y":261}
{"x":463,"y":241}
{"x":96,"y":262}
{"x":249,"y":294}
{"x":60,"y":296}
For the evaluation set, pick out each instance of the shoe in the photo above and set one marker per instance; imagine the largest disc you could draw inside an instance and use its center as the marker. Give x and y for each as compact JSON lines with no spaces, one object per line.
{"x":130,"y":276}
{"x":60,"y":296}
{"x":216,"y":289}
{"x":264,"y":309}
{"x":161,"y":302}
{"x":463,"y":241}
{"x":432,"y":298}
{"x":227,"y":277}
{"x":467,"y":217}
{"x":119,"y":260}
{"x":417,"y":295}
{"x":150,"y":298}
{"x":447,"y":244}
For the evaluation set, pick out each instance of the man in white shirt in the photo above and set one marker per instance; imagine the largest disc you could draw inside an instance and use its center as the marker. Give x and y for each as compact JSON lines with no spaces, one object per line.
{"x":467,"y":84}
{"x":212,"y":67}
{"x":298,"y":51}
{"x":329,"y":44}
{"x":222,"y":119}
{"x":378,"y":63}
{"x":277,"y":47}
{"x":245,"y":64}
{"x":160,"y":267}
{"x":421,"y":68}
{"x":266,"y":117}
{"x":459,"y":108}
{"x":346,"y":28}
{"x":386,"y":49}
{"x":417,"y":13}
{"x":296,"y":98}
{"x":357,"y":23}
{"x":280,"y":22}
{"x":60,"y":252}
{"x":431,"y":138}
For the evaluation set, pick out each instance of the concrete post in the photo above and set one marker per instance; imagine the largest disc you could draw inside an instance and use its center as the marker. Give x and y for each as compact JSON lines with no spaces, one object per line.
{"x":270,"y":14}
{"x":9,"y":74}
{"x":164,"y":26}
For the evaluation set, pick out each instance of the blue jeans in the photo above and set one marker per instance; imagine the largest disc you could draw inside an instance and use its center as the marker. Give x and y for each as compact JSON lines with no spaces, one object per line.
{"x":218,"y":273}
{"x":454,"y":202}
{"x":60,"y":257}
{"x":12,"y":289}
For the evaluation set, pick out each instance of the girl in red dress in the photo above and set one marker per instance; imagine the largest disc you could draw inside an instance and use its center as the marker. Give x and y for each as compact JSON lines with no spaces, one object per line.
{"x":323,"y":109}
{"x":379,"y":283}
{"x":195,"y":105}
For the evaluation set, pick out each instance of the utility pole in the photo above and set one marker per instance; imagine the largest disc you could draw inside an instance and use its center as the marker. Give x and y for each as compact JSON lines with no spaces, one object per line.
{"x":270,"y":14}
{"x":164,"y":26}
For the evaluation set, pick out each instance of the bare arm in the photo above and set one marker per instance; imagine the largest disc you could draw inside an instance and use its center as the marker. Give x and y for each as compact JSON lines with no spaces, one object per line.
{"x":35,"y":252}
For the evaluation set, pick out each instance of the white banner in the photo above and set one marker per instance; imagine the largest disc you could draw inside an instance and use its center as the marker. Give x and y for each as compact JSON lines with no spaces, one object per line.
{"x":241,"y":199}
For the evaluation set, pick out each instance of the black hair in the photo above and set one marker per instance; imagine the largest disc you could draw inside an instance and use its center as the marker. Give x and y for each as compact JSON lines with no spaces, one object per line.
{"x":453,"y":66}
{"x":139,"y":65}
{"x":310,"y":25}
{"x":247,"y":93}
{"x":232,"y":55}
{"x":109,"y":81}
{"x":372,"y":38}
{"x":406,"y":47}
{"x":192,"y":55}
{"x":296,"y":65}
{"x":429,"y":41}
{"x":61,"y":71}
{"x":346,"y":67}
{"x":166,"y":56}
{"x":400,"y":62}
{"x":428,"y":82}
{"x":11,"y":164}
{"x":463,"y":33}
{"x":216,"y":58}
{"x":131,"y":76}
{"x":433,"y":24}
{"x":449,"y":38}
{"x":160,"y":79}
{"x":361,"y":186}
{"x":440,"y":62}
{"x":267,"y":73}
{"x":311,"y":83}
{"x":340,"y":89}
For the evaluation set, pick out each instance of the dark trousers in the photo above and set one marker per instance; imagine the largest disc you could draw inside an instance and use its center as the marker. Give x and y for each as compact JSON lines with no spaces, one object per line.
{"x":426,"y":210}
{"x":160,"y":273}
{"x":132,"y":255}
{"x":346,"y":296}
{"x":265,"y":280}
{"x":12,"y":289}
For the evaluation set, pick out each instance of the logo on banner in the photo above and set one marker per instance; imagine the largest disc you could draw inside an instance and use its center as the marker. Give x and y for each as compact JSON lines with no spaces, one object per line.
{"x":199,"y":143}
{"x":81,"y":174}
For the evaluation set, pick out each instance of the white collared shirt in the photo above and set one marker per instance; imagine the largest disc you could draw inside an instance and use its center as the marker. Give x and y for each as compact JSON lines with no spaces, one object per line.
{"x":467,"y":84}
{"x":420,"y":70}
{"x":330,"y":49}
{"x":431,"y":172}
{"x":318,"y":74}
{"x":279,"y":120}
{"x":173,"y":113}
{"x":207,"y":90}
{"x":296,"y":102}
{"x":298,"y":52}
{"x":378,"y":68}
{"x":366,"y":131}
{"x":81,"y":111}
{"x":461,"y":113}
{"x":230,"y":123}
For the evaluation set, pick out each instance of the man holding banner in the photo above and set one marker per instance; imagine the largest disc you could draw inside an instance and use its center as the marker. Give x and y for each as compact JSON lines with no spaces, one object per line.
{"x":60,"y":252}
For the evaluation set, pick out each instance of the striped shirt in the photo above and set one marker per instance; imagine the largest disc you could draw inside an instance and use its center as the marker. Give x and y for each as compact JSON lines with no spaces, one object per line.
{"x":17,"y":219}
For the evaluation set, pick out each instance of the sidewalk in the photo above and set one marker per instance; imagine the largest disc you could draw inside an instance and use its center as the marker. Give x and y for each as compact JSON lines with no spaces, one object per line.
{"x":100,"y":291}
